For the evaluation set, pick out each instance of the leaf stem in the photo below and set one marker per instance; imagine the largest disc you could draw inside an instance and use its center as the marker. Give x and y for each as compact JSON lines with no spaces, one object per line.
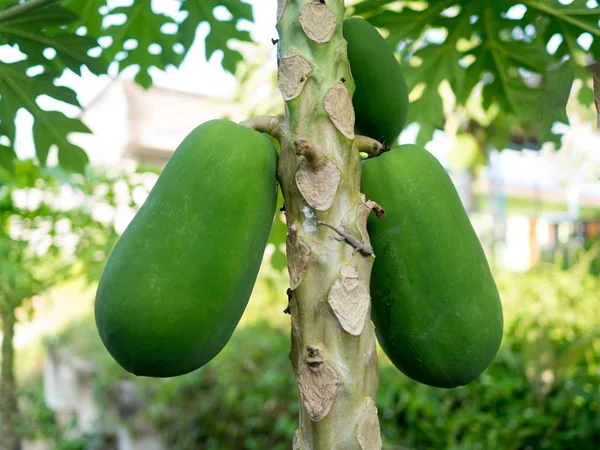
{"x":23,"y":8}
{"x":564,"y":17}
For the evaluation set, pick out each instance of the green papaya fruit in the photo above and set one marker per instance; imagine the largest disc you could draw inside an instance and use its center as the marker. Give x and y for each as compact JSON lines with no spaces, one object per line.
{"x":435,"y":304}
{"x":179,"y":278}
{"x":381,"y":97}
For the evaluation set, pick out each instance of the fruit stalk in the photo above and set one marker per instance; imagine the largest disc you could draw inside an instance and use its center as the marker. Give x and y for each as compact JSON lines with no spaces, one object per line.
{"x":333,"y":341}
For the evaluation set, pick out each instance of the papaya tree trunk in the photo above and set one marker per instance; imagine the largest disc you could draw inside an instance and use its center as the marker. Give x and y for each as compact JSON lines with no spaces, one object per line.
{"x":8,"y":400}
{"x":329,"y":255}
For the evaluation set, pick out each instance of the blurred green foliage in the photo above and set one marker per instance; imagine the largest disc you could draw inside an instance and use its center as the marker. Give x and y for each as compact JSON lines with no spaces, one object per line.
{"x":541,"y":392}
{"x":41,"y":424}
{"x":245,"y":398}
{"x":54,"y":224}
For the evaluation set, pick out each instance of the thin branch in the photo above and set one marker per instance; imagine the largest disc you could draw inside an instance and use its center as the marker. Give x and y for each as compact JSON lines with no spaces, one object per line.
{"x":361,"y":247}
{"x":23,"y":8}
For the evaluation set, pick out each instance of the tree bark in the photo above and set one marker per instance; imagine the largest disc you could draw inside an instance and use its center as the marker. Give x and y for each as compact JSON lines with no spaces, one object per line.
{"x":8,"y":400}
{"x":329,"y":255}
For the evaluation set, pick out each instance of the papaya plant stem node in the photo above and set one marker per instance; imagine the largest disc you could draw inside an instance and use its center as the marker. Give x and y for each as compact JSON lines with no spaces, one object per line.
{"x":371,"y":147}
{"x":265,"y":124}
{"x":308,"y":149}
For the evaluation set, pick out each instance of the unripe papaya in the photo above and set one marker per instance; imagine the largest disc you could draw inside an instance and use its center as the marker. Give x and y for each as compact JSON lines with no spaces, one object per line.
{"x":435,"y":304}
{"x":179,"y":278}
{"x":381,"y":97}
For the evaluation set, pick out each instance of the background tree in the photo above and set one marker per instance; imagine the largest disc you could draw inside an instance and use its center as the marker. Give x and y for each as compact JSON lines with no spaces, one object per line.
{"x":51,"y":229}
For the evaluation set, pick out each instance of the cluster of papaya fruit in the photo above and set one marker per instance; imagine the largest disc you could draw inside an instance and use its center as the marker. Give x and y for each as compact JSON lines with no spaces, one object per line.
{"x":179,"y":278}
{"x":435,"y":305}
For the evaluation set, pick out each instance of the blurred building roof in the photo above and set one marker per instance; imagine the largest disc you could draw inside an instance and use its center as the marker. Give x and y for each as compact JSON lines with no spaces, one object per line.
{"x":129,"y":122}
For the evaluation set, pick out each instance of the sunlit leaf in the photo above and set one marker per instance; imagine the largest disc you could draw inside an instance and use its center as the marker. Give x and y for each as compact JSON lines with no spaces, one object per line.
{"x":41,"y":29}
{"x":50,"y":127}
{"x":7,"y":157}
{"x":89,"y":14}
{"x":505,"y":52}
{"x":221,"y":31}
{"x":153,"y":47}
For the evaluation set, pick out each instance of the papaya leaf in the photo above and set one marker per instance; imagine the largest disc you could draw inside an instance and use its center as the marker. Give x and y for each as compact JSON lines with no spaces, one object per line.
{"x":52,"y":129}
{"x":153,"y":47}
{"x":7,"y":158}
{"x":89,"y":13}
{"x":569,"y":22}
{"x":41,"y":29}
{"x":368,"y":6}
{"x":571,"y":19}
{"x":71,"y":28}
{"x":586,"y":95}
{"x":552,"y":104}
{"x":502,"y":59}
{"x":505,"y":51}
{"x":409,"y":24}
{"x":439,"y":62}
{"x":18,"y":90}
{"x":499,"y":131}
{"x":221,"y":31}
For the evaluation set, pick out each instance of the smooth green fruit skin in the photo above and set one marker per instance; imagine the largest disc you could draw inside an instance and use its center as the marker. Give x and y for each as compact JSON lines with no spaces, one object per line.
{"x":180,"y":276}
{"x":381,"y":97}
{"x":435,"y":304}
